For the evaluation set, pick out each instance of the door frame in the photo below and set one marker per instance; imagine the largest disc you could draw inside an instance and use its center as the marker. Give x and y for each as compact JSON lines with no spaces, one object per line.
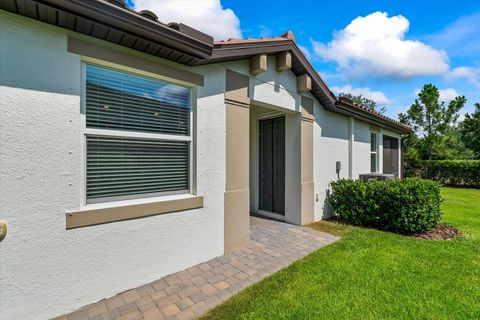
{"x":256,"y":149}
{"x":393,"y":157}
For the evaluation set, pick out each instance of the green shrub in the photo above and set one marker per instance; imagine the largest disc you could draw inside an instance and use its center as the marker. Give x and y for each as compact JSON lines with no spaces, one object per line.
{"x":402,"y":206}
{"x":462,"y":173}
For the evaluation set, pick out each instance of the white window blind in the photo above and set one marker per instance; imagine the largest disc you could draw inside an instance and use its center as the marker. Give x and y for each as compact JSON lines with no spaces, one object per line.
{"x":122,"y":101}
{"x":121,"y":164}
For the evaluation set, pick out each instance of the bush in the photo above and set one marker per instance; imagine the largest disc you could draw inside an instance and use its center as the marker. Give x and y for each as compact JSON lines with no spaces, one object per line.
{"x":402,"y":206}
{"x":461,"y":173}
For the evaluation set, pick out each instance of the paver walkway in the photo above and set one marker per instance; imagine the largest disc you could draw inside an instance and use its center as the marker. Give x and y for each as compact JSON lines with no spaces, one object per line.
{"x":190,"y":293}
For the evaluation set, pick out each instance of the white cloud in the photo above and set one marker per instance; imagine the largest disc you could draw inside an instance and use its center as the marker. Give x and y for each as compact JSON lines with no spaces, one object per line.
{"x":376,"y":45}
{"x":377,"y":96}
{"x":472,"y":75}
{"x":305,"y":51}
{"x":446,"y":95}
{"x":208,"y":16}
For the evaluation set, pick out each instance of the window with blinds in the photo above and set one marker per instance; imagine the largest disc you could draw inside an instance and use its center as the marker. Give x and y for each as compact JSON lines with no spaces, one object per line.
{"x":373,"y":152}
{"x":138,"y":136}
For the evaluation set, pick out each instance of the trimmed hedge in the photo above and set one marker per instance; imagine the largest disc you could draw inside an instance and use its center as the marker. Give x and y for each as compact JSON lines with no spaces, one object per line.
{"x":402,"y":206}
{"x":461,"y":173}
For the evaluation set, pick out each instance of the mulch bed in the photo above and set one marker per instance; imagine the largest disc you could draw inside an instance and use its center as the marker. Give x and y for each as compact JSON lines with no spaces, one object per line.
{"x":440,"y":232}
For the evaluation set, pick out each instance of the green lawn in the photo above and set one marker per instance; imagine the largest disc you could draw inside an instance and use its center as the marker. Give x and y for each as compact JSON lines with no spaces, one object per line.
{"x":462,"y":209}
{"x":376,"y":275}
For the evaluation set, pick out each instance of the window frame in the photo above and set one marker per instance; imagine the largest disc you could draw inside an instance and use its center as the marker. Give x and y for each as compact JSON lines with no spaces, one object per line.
{"x":85,"y":131}
{"x":376,"y":152}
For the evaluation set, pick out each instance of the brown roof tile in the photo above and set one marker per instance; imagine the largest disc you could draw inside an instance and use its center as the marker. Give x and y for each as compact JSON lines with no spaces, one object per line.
{"x":287,"y":36}
{"x":350,"y":103}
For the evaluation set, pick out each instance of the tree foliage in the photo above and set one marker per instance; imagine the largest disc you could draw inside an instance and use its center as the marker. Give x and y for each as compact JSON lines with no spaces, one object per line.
{"x":367,"y":103}
{"x":470,"y":131}
{"x":433,"y":122}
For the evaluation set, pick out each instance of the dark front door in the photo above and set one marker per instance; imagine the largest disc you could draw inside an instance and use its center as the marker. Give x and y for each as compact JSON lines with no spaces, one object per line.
{"x":390,"y":155}
{"x":272,"y":165}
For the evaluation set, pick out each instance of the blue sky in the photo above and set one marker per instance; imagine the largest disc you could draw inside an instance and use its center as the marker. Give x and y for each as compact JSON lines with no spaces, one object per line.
{"x":384,"y":49}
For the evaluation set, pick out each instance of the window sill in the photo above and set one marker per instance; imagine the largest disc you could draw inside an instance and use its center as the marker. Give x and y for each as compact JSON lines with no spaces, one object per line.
{"x":125,"y":210}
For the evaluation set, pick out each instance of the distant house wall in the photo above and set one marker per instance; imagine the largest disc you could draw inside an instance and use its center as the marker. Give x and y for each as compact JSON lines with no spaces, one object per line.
{"x":331,"y":144}
{"x":361,"y":162}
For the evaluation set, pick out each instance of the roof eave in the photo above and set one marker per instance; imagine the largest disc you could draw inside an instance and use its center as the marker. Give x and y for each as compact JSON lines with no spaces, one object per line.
{"x":372,"y":118}
{"x":108,"y":15}
{"x":224,"y":51}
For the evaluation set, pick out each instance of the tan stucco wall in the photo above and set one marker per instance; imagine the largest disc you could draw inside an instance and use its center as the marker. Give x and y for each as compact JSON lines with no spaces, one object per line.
{"x":237,"y":194}
{"x":300,"y":188}
{"x":307,"y":185}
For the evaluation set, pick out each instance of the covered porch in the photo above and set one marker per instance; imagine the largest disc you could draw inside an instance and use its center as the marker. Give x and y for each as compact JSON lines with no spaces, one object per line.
{"x":280,"y":164}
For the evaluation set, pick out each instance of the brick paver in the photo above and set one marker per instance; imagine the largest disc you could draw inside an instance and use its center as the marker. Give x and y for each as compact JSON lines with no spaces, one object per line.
{"x":190,"y":293}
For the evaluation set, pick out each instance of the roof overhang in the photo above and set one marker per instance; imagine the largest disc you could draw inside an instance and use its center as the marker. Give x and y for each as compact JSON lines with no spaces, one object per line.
{"x":106,"y":21}
{"x":223,"y":52}
{"x":347,"y":108}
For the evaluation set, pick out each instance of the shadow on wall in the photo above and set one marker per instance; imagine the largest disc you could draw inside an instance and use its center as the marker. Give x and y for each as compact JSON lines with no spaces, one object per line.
{"x":282,"y":96}
{"x":327,"y":210}
{"x":362,"y":133}
{"x":333,"y":125}
{"x":50,"y":69}
{"x":337,"y":126}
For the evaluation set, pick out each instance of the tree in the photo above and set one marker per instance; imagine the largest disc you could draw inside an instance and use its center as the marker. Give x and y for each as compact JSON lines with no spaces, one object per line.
{"x":470,"y":131}
{"x":432,"y":122}
{"x":367,"y":103}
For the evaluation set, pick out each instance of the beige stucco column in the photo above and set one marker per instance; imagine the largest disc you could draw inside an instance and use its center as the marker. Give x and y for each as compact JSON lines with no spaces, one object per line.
{"x":306,"y":180}
{"x":237,"y":194}
{"x":299,"y":197}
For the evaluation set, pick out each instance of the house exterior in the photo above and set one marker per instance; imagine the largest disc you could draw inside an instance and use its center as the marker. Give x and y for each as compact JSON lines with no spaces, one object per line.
{"x":133,"y":149}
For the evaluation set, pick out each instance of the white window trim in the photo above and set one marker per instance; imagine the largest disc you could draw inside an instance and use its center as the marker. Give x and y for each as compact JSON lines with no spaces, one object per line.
{"x":106,"y":202}
{"x":376,"y":152}
{"x":135,"y":134}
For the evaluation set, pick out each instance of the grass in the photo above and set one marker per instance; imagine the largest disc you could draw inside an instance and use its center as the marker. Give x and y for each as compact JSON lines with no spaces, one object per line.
{"x":462,"y":209}
{"x":370,"y":274}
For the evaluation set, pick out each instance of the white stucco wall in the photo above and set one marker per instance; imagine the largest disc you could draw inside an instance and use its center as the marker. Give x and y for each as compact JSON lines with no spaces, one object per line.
{"x":330,"y":144}
{"x":46,"y":270}
{"x":276,"y":89}
{"x":270,"y":89}
{"x":361,"y":163}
